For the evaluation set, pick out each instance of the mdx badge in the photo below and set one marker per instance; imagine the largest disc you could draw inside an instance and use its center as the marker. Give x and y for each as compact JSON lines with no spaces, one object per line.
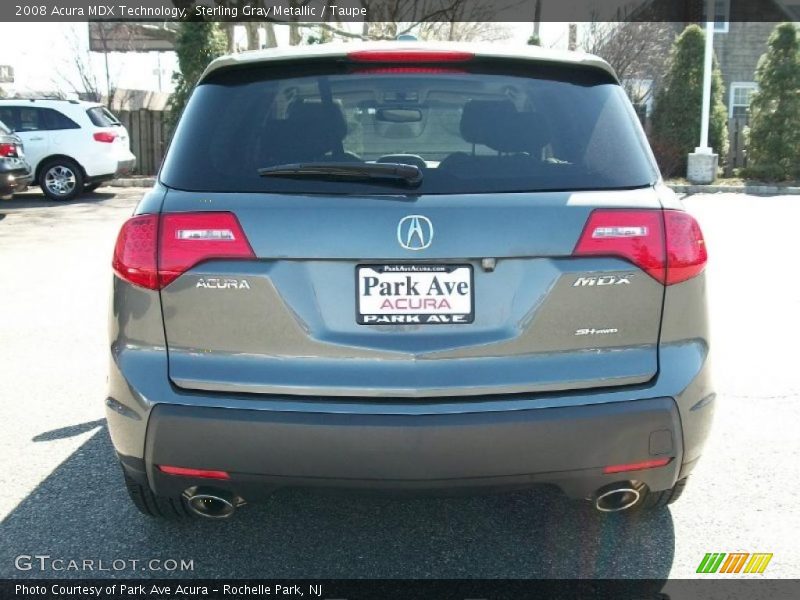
{"x":415,"y":232}
{"x":603,"y":280}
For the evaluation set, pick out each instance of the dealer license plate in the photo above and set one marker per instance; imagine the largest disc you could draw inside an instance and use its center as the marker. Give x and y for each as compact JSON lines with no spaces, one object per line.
{"x":397,"y":294}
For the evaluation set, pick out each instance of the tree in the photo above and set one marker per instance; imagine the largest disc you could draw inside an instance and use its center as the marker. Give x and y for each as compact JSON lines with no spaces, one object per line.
{"x":196,"y":44}
{"x":637,"y":51}
{"x":773,"y":145}
{"x":252,"y":29}
{"x":455,"y":20}
{"x":677,"y":114}
{"x":78,"y":70}
{"x":104,"y":32}
{"x":81,"y":79}
{"x":461,"y":22}
{"x":462,"y":31}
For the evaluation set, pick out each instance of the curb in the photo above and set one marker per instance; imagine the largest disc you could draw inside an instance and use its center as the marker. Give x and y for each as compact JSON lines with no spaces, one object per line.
{"x":753,"y":190}
{"x":132,"y":182}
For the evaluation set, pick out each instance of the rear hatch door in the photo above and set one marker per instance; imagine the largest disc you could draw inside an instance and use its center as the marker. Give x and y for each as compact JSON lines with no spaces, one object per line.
{"x":462,"y":283}
{"x":288,"y":321}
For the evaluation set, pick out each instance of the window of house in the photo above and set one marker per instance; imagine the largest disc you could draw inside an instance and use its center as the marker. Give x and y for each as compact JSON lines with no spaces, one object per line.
{"x":722,"y":15}
{"x":740,"y":98}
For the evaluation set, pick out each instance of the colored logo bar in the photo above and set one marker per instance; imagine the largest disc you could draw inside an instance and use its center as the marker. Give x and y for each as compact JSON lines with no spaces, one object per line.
{"x":734,"y":562}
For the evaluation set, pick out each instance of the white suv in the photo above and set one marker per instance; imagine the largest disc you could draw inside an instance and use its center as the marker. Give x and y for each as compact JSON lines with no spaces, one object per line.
{"x":72,"y":146}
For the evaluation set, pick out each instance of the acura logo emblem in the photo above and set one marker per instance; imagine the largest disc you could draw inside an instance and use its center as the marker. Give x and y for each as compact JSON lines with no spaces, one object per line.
{"x":415,"y":232}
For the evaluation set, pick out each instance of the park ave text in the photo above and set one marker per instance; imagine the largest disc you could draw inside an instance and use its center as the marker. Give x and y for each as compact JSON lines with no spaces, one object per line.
{"x":127,"y":11}
{"x":172,"y":590}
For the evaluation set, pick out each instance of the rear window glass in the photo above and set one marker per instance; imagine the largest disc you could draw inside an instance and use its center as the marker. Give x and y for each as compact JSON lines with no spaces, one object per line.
{"x":3,"y":129}
{"x":102,"y":117}
{"x":549,"y":129}
{"x":53,"y":120}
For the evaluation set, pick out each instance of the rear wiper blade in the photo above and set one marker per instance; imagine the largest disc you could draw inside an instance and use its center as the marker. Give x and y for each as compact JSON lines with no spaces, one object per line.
{"x":411,"y":175}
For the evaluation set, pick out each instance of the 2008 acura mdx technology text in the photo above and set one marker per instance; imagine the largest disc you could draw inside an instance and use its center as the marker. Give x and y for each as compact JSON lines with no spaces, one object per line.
{"x":408,"y":266}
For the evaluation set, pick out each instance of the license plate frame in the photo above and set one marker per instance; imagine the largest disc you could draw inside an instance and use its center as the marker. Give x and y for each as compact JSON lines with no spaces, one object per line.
{"x":453,"y":273}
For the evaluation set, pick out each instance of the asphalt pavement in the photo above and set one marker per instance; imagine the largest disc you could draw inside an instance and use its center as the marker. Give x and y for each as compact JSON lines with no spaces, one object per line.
{"x":63,"y":495}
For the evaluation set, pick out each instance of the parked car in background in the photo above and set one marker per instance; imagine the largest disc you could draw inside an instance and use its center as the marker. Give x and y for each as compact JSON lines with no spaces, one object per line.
{"x":413,"y":266}
{"x":71,"y":145}
{"x":15,"y":172}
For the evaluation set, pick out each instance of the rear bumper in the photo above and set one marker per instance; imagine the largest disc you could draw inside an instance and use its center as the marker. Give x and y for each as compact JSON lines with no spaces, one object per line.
{"x":111,"y":169}
{"x":125,"y":167}
{"x":496,"y":441}
{"x":13,"y":181}
{"x":263,"y":450}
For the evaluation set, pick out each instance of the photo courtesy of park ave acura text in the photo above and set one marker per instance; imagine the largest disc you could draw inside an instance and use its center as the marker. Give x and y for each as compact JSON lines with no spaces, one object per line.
{"x":400,"y":299}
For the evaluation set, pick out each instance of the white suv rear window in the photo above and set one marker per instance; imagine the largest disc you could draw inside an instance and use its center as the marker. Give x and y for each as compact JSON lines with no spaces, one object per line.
{"x":102,"y":117}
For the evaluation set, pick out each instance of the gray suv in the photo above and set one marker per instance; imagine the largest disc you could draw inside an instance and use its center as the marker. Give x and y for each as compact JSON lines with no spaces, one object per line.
{"x":408,"y":266}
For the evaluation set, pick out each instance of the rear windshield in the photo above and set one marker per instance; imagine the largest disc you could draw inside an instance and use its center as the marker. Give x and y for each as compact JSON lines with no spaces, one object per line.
{"x":102,"y":117}
{"x":534,"y":130}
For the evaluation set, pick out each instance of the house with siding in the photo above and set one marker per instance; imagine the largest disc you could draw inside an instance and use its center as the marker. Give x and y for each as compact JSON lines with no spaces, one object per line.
{"x":741,"y":31}
{"x":740,"y":38}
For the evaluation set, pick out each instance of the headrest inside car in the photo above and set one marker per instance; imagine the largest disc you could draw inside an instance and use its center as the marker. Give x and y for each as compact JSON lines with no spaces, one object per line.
{"x":310,"y":131}
{"x":479,"y":117}
{"x":327,"y":118}
{"x":498,"y":125}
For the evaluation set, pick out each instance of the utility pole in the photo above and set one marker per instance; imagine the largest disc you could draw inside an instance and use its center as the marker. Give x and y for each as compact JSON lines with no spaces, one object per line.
{"x":707,"y":68}
{"x":702,"y":165}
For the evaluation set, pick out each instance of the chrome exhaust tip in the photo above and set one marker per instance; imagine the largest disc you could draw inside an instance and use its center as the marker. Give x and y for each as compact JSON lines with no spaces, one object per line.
{"x":211,"y":503}
{"x":616,"y":497}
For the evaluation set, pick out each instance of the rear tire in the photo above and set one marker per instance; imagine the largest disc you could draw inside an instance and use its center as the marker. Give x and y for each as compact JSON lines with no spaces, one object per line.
{"x":656,"y":500}
{"x":61,"y":179}
{"x":160,"y":507}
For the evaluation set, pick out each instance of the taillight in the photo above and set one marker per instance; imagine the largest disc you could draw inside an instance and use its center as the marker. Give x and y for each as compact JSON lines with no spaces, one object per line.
{"x":635,"y":235}
{"x":106,"y":137}
{"x":668,"y":245}
{"x":409,"y":56}
{"x":8,"y":150}
{"x":152,"y":252}
{"x":135,"y":251}
{"x":686,"y":248}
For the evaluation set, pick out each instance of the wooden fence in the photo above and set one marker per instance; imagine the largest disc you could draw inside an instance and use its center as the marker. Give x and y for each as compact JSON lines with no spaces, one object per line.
{"x":149,"y":137}
{"x":737,"y":157}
